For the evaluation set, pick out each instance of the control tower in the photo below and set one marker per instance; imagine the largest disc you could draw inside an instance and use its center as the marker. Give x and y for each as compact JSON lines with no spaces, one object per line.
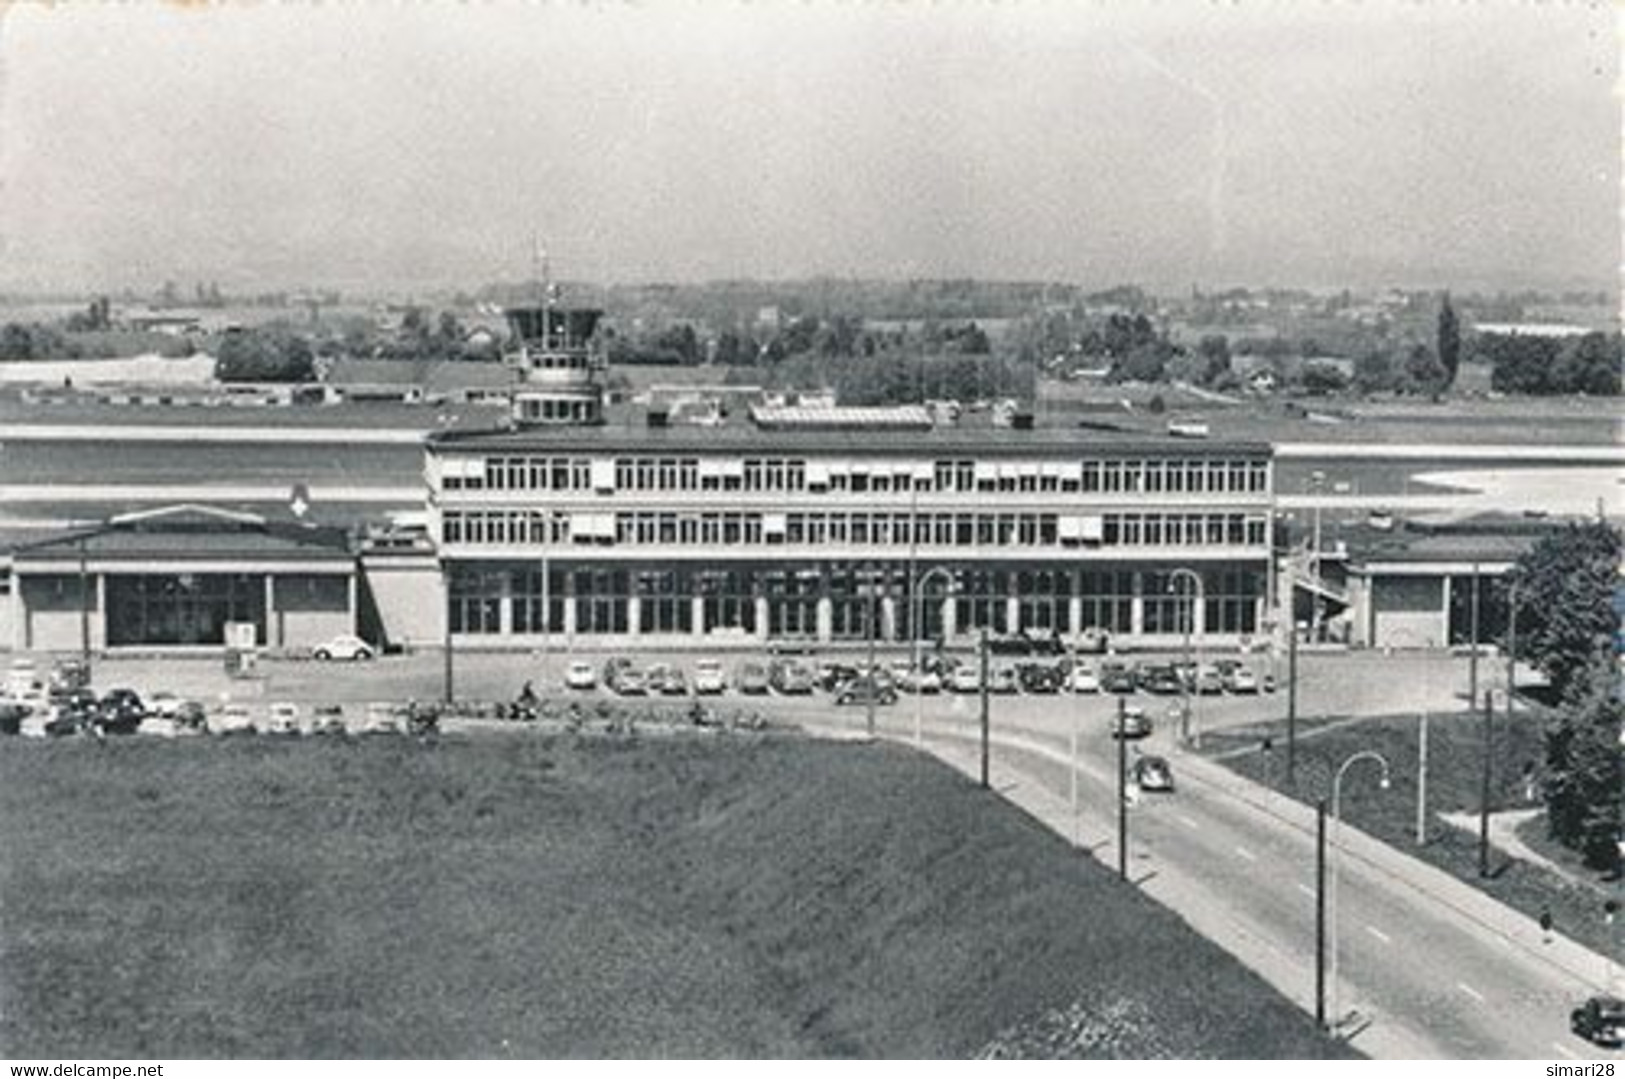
{"x":560,"y":366}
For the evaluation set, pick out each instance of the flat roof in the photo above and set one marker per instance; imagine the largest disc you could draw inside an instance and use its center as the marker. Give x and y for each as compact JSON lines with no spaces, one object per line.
{"x":190,"y":532}
{"x":738,"y":434}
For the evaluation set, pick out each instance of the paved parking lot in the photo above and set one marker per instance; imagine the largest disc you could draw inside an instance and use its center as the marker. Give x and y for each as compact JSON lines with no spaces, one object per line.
{"x":1328,"y":684}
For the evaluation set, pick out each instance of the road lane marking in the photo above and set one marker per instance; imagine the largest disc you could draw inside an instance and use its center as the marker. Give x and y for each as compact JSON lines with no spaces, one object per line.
{"x":1564,"y":1051}
{"x":1305,"y":889}
{"x":1379,"y":934}
{"x":1187,"y":822}
{"x":1470,"y":991}
{"x":1246,"y":855}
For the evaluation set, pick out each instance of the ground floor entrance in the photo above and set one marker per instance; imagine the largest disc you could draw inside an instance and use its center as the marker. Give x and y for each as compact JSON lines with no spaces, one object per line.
{"x":838,"y":600}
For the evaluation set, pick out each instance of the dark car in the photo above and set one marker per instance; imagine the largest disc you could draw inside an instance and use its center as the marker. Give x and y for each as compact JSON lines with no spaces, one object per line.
{"x":1154,"y":774}
{"x":1133,"y":723}
{"x":831,"y":676}
{"x":1162,"y":679}
{"x":1117,"y":678}
{"x":1600,"y":1020}
{"x":752,"y":679}
{"x":1040,"y":678}
{"x":862,"y":690}
{"x":120,"y":711}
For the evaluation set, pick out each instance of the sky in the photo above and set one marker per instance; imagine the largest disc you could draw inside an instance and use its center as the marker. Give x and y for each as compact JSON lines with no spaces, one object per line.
{"x":373,"y":145}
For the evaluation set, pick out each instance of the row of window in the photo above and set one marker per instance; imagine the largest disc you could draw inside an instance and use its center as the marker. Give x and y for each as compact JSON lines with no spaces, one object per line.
{"x":597,"y":601}
{"x":771,"y":474}
{"x":534,"y":528}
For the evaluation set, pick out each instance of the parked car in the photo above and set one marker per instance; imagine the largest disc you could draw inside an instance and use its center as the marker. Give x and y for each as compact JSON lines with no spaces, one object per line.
{"x":1208,"y":680}
{"x":1154,"y":774}
{"x":708,"y":677}
{"x":69,"y":674}
{"x":383,"y":718}
{"x":863,"y":689}
{"x":580,"y":675}
{"x":629,"y":681}
{"x":190,"y":718}
{"x":163,"y":704}
{"x":831,"y":676}
{"x":120,"y":711}
{"x":1117,"y":678}
{"x":668,"y":680}
{"x":793,"y":678}
{"x":1040,"y":678}
{"x":327,"y":719}
{"x":1133,"y":724}
{"x":68,"y":721}
{"x":1241,"y":680}
{"x":924,"y":680}
{"x":753,"y":679}
{"x":344,"y":646}
{"x":283,"y":719}
{"x":1083,"y":679}
{"x":1600,"y":1020}
{"x":234,"y":719}
{"x":1162,"y":679}
{"x":11,"y":717}
{"x":1003,"y":679}
{"x":967,"y":678}
{"x":1092,"y":639}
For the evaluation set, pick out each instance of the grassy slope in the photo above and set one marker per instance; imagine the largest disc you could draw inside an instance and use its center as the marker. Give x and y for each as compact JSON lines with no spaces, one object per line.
{"x":1455,"y":775}
{"x":520,"y":896}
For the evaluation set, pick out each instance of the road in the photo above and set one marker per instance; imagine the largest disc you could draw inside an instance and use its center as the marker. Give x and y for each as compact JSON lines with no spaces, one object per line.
{"x":1421,"y":977}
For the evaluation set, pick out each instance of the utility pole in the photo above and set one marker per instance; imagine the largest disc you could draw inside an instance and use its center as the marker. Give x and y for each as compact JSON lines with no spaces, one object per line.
{"x":873,"y":675}
{"x":1320,"y":913}
{"x":982,"y":647}
{"x":1472,"y":655}
{"x":84,"y":608}
{"x":1512,"y":644}
{"x":1422,"y":781}
{"x":1122,"y":792}
{"x":1484,"y":790}
{"x":445,"y":578}
{"x":1292,"y":703}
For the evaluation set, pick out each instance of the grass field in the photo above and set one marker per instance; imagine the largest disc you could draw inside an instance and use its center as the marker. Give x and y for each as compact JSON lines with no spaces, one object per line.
{"x":1455,"y":775}
{"x":533,"y":897}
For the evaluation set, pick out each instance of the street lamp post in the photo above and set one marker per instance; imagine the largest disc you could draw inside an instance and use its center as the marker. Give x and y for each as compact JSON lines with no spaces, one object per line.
{"x":1337,"y":826}
{"x":1317,"y":485}
{"x":918,"y":620}
{"x":1190,"y":730}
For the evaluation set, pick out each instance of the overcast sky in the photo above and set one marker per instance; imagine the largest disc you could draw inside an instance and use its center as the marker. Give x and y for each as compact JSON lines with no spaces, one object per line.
{"x":1456,"y":143}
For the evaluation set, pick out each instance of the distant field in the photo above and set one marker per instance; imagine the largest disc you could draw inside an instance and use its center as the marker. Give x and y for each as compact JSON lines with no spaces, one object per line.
{"x":528,"y":897}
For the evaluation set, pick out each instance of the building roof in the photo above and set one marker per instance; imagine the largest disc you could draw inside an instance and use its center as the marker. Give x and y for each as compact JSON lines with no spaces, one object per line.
{"x":1489,"y":537}
{"x":190,"y":532}
{"x":429,"y":374}
{"x":739,"y":434}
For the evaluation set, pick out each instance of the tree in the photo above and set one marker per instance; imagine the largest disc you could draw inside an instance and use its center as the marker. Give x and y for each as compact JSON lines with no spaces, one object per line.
{"x":1519,"y":363}
{"x":1320,"y":379}
{"x":1215,"y":353}
{"x":1449,"y":341}
{"x":1374,"y":372}
{"x":1565,"y":600}
{"x":1588,"y":364}
{"x":1585,"y":777}
{"x":266,"y":354}
{"x":1423,"y":371}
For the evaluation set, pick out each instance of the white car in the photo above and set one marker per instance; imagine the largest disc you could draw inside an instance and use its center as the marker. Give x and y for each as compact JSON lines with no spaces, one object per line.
{"x":234,"y":719}
{"x":708,"y":677}
{"x":381,"y":719}
{"x":580,"y":675}
{"x":966,"y":679}
{"x":1241,"y":680}
{"x":1083,"y":679}
{"x":164,"y":704}
{"x":344,"y":646}
{"x":284,"y":718}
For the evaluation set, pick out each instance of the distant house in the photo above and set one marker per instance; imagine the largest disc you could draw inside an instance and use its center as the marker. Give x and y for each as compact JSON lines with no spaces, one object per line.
{"x":175,"y":323}
{"x":415,"y":381}
{"x":1531,"y":329}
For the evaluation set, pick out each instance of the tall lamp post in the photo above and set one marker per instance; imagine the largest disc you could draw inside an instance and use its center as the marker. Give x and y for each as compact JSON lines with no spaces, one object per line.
{"x":1337,"y":829}
{"x":1193,"y":736}
{"x":917,"y":620}
{"x":1317,"y":485}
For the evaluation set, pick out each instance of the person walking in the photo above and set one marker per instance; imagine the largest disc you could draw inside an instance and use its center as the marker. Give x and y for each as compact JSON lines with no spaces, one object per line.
{"x":1545,"y":925}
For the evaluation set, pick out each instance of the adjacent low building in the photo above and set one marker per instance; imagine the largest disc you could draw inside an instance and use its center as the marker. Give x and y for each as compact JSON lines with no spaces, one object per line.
{"x":177,"y":578}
